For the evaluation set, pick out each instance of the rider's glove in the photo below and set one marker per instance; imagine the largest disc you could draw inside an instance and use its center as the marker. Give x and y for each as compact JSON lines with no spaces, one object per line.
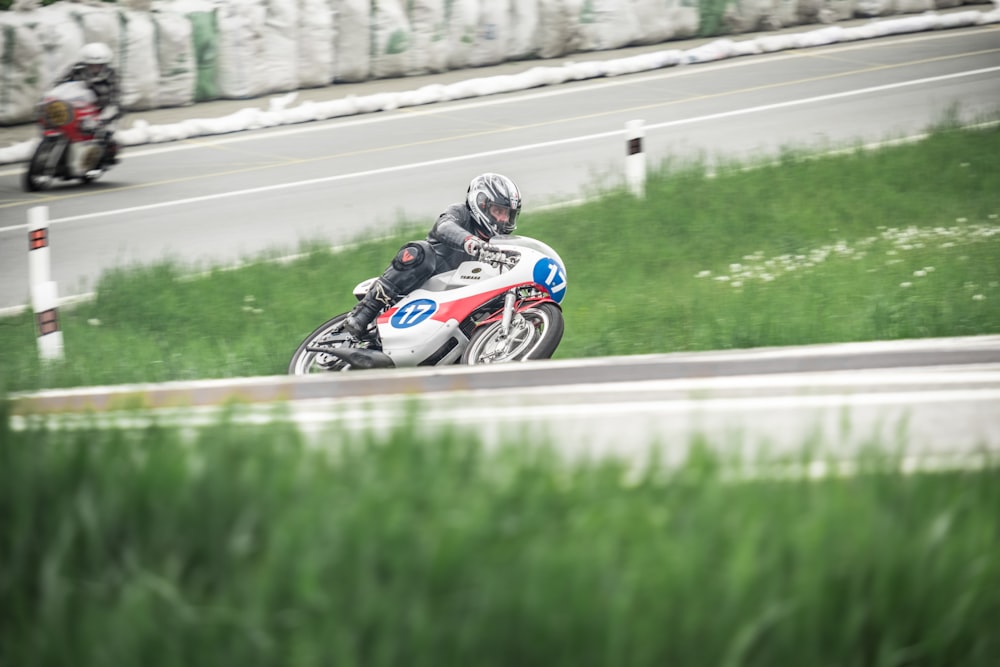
{"x":474,"y":245}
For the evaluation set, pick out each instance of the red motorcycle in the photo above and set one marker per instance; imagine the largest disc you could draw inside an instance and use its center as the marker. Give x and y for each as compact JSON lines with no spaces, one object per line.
{"x":70,"y":148}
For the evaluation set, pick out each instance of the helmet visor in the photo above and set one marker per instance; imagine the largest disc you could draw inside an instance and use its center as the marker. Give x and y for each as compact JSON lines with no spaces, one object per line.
{"x":504,"y":218}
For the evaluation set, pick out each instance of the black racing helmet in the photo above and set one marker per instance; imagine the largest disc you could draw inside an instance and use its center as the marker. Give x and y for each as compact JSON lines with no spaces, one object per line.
{"x":494,"y":202}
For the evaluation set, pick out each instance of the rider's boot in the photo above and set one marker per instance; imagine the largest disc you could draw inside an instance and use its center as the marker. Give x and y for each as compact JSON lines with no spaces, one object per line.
{"x":111,"y":152}
{"x":109,"y":146}
{"x":380,"y":296}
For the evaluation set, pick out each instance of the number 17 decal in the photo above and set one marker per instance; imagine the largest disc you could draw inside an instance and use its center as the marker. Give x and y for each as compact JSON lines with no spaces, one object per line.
{"x":549,"y":274}
{"x":413,"y":313}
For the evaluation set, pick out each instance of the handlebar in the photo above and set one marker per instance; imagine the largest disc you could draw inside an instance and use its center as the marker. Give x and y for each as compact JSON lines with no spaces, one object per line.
{"x":499,"y":256}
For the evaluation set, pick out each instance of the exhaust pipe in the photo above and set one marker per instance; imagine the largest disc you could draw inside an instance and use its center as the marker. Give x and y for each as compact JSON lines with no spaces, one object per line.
{"x":361,"y":358}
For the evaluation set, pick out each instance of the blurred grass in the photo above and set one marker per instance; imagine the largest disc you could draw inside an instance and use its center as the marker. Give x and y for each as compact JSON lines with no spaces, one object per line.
{"x":633,"y":267}
{"x":248,"y":547}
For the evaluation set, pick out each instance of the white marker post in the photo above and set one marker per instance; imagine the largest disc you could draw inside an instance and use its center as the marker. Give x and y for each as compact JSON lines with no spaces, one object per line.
{"x":635,"y":158}
{"x":44,"y":294}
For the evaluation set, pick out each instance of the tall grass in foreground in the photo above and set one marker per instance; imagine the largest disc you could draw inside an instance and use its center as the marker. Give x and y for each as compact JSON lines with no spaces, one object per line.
{"x":903,"y":242}
{"x":248,"y":548}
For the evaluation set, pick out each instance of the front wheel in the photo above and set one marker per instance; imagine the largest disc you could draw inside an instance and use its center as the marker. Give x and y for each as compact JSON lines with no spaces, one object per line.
{"x":534,"y":334}
{"x":36,"y":178}
{"x":306,"y":361}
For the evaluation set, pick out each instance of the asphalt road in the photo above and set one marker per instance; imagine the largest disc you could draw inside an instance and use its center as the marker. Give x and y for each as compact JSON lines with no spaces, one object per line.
{"x":220,"y":199}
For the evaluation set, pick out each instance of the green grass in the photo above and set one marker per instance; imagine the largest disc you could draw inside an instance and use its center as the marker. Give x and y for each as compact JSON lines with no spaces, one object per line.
{"x":904,"y":244}
{"x":248,"y":547}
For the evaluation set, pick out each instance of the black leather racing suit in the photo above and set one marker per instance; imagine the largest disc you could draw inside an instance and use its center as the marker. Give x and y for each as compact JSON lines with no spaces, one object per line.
{"x":442,"y":250}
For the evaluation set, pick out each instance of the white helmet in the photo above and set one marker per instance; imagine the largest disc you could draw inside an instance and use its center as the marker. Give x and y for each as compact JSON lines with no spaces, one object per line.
{"x":96,"y":53}
{"x":96,"y":58}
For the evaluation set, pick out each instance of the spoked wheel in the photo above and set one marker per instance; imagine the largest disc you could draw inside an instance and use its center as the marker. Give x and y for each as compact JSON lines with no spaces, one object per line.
{"x":534,"y":334}
{"x":309,"y":357}
{"x":36,"y":178}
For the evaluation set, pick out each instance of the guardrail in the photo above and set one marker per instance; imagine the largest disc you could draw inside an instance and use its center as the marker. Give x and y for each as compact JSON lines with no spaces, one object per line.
{"x":932,"y":398}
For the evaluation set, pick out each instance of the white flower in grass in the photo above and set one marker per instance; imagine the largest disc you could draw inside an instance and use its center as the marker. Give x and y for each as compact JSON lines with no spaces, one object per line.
{"x":978,"y":297}
{"x":737,"y":283}
{"x":249,"y":298}
{"x":94,"y":322}
{"x":961,"y":219}
{"x":906,"y":284}
{"x":703,"y":274}
{"x":992,"y":216}
{"x":724,"y":279}
{"x":964,"y":164}
{"x":247,"y":309}
{"x":920,"y":273}
{"x":929,"y":269}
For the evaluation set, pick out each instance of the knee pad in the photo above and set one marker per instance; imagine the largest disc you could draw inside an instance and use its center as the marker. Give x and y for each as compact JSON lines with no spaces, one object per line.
{"x":413,"y":264}
{"x":411,"y":255}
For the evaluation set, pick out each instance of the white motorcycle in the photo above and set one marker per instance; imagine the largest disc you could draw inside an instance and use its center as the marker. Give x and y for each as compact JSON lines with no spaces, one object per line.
{"x":504,"y":306}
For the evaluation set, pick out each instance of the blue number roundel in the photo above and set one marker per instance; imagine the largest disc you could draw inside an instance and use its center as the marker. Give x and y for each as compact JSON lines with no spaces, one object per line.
{"x":552,"y":277}
{"x":413,"y":313}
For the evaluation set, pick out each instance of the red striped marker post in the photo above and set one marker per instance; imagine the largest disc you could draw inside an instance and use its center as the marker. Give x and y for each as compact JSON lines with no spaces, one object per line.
{"x":635,"y":158}
{"x":44,"y":293}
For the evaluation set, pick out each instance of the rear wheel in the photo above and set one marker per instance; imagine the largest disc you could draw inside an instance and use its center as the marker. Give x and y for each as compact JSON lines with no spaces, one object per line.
{"x":534,"y":334}
{"x":309,"y":357}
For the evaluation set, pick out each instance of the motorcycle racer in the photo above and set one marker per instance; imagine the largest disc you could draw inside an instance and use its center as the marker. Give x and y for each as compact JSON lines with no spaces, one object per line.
{"x":94,"y":69}
{"x":491,"y":207}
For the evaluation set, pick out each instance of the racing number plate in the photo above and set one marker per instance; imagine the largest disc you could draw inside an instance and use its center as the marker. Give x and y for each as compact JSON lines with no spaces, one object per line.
{"x":550,"y":275}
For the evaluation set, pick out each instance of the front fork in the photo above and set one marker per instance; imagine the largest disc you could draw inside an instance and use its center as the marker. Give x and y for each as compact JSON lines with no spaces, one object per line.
{"x":508,"y":312}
